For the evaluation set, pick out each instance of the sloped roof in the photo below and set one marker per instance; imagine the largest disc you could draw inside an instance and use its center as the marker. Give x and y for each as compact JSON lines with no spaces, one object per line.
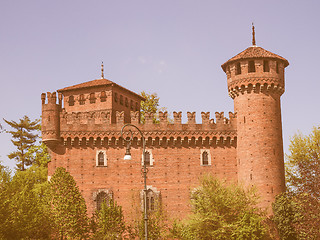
{"x":254,"y":52}
{"x":95,"y":83}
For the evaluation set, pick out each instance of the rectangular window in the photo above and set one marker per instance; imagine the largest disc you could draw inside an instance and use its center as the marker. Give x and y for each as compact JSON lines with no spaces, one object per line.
{"x":238,"y":69}
{"x":251,"y":67}
{"x":266,"y":67}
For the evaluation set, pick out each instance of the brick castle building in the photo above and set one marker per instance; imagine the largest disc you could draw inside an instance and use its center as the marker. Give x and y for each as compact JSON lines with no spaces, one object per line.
{"x":82,"y":129}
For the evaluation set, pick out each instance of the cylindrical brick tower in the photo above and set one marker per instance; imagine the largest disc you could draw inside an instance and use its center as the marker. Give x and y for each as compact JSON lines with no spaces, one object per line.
{"x":256,"y":82}
{"x":51,"y":118}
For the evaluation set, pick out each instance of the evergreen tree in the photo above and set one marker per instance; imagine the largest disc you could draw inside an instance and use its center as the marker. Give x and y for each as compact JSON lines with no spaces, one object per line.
{"x":68,"y":207}
{"x":23,"y":138}
{"x":108,"y":222}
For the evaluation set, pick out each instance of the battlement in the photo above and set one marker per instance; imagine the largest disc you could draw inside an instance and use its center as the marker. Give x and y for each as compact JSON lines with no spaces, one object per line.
{"x":51,"y":98}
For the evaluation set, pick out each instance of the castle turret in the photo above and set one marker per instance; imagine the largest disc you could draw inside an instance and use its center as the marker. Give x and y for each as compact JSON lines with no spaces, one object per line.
{"x":256,"y":82}
{"x":51,"y":118}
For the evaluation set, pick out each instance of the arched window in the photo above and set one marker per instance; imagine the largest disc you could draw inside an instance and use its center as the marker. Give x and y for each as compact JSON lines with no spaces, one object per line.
{"x":103,"y":96}
{"x":81,"y":99}
{"x":102,"y":196}
{"x":205,"y":159}
{"x":266,"y":67}
{"x":71,"y":100}
{"x":251,"y":67}
{"x":147,"y":158}
{"x":150,"y":203}
{"x":131,"y":105}
{"x":101,"y":158}
{"x":152,"y":199}
{"x":238,"y":68}
{"x":92,"y":98}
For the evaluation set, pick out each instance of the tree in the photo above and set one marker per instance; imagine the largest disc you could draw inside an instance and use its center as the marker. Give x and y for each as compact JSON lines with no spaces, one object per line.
{"x":5,"y":180}
{"x":150,"y":105}
{"x":297,"y":212}
{"x":303,"y":164}
{"x":222,"y":212}
{"x":108,"y":222}
{"x":68,"y":206}
{"x":24,"y":138}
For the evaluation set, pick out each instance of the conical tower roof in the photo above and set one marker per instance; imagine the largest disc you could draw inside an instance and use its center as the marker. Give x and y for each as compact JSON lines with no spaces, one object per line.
{"x":255,"y":52}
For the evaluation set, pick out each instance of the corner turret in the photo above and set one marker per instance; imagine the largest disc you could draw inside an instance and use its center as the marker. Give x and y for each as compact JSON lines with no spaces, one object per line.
{"x":51,"y":118}
{"x":256,"y":82}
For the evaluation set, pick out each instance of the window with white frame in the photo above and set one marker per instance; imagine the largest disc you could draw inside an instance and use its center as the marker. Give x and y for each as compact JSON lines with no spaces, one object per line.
{"x":101,"y":158}
{"x":100,"y":196}
{"x":152,"y":198}
{"x":148,"y":158}
{"x":205,"y":157}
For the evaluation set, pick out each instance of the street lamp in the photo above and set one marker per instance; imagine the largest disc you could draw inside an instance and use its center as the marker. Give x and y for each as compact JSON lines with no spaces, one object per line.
{"x":144,"y":170}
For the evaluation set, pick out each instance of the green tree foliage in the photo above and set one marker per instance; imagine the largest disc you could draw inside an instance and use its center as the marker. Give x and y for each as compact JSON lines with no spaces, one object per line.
{"x":27,"y":208}
{"x":150,"y":105}
{"x":303,"y":164}
{"x":297,"y":216}
{"x":297,"y":212}
{"x":23,"y":138}
{"x":221,"y":212}
{"x":68,"y":207}
{"x":5,"y":180}
{"x":39,"y":155}
{"x":108,"y":222}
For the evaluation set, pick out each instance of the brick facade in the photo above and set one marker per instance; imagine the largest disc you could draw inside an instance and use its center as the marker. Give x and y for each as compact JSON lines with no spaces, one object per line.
{"x":82,"y":129}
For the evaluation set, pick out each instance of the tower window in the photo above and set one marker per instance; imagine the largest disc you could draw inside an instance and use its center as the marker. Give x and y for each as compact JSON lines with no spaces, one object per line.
{"x":238,"y":68}
{"x":205,"y":157}
{"x":82,"y":99}
{"x":137,"y":108}
{"x":251,"y":67}
{"x":147,"y":158}
{"x":101,"y":158}
{"x":266,"y":67}
{"x":116,"y":97}
{"x":103,"y":96}
{"x":71,"y":100}
{"x":92,"y":98}
{"x":102,"y":196}
{"x":131,"y":105}
{"x":121,"y":99}
{"x":152,"y":199}
{"x":277,"y":67}
{"x":126,"y":102}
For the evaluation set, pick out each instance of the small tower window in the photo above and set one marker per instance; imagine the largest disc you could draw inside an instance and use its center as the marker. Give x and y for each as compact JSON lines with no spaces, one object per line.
{"x":92,"y":98}
{"x":126,"y":103}
{"x":252,"y":67}
{"x":103,"y":96}
{"x":205,"y":158}
{"x":82,"y":99}
{"x":101,"y":158}
{"x":116,"y":97}
{"x":137,"y":108}
{"x":131,"y":105}
{"x":238,"y":68}
{"x":266,"y":67}
{"x":121,"y":99}
{"x":102,"y":196}
{"x":71,"y":100}
{"x":277,"y":67}
{"x":147,"y":158}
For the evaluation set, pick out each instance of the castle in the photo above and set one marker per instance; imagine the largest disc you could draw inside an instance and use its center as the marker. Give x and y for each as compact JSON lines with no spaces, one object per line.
{"x":83,"y":132}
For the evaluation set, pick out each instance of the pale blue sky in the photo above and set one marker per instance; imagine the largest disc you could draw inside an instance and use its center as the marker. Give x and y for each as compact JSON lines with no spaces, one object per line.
{"x":171,"y":47}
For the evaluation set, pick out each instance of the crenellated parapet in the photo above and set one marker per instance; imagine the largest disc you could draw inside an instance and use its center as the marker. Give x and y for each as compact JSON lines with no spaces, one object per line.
{"x":96,"y":128}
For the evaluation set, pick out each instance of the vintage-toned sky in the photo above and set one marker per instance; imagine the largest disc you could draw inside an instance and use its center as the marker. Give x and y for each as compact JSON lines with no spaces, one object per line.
{"x":172,"y":47}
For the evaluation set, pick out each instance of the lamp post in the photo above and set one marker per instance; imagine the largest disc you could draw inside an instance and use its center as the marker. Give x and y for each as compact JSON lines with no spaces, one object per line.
{"x":144,"y":170}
